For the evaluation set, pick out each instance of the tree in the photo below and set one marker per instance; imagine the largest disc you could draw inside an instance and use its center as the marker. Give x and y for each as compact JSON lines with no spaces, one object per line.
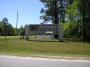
{"x":5,"y":20}
{"x":73,"y":18}
{"x":78,"y":12}
{"x":6,"y":29}
{"x":84,"y":6}
{"x":75,"y":12}
{"x":54,"y":11}
{"x":22,"y":32}
{"x":1,"y":28}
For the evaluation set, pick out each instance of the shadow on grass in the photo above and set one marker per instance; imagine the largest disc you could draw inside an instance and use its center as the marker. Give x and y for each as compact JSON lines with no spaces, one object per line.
{"x":44,"y":40}
{"x":76,"y":40}
{"x":65,"y":40}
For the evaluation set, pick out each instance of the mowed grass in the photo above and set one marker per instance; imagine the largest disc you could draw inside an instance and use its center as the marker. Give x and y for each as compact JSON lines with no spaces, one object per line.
{"x":39,"y":47}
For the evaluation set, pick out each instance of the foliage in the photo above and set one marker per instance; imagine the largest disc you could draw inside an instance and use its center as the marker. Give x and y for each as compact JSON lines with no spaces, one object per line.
{"x":6,"y":29}
{"x":78,"y":12}
{"x":72,"y":11}
{"x":54,"y":11}
{"x":70,"y":29}
{"x":75,"y":15}
{"x":84,"y":7}
{"x":22,"y":31}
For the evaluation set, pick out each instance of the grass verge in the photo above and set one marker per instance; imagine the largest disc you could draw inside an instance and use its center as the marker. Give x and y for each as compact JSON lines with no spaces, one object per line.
{"x":35,"y":47}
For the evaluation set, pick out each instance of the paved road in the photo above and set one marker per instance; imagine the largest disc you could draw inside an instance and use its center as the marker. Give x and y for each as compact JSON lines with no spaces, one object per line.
{"x":9,"y":61}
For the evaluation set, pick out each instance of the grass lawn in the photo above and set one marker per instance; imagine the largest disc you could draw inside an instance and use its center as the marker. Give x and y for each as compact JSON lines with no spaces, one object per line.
{"x":15,"y":46}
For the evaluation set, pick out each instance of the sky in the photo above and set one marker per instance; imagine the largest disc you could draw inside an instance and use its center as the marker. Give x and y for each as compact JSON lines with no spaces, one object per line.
{"x":28,"y":11}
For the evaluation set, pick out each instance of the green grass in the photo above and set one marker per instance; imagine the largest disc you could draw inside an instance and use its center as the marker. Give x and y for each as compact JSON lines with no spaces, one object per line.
{"x":35,"y":47}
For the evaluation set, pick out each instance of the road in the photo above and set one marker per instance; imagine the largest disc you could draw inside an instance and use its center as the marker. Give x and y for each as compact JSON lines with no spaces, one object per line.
{"x":12,"y":61}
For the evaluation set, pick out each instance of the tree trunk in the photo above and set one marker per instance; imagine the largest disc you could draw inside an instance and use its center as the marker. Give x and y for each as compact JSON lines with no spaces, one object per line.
{"x":56,"y":18}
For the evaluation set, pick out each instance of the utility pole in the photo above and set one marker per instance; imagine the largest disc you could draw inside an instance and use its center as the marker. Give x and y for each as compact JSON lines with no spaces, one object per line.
{"x":17,"y":24}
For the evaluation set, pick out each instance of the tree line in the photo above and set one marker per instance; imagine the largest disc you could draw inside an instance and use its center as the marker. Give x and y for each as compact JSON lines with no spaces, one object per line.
{"x":6,"y":29}
{"x":73,"y":15}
